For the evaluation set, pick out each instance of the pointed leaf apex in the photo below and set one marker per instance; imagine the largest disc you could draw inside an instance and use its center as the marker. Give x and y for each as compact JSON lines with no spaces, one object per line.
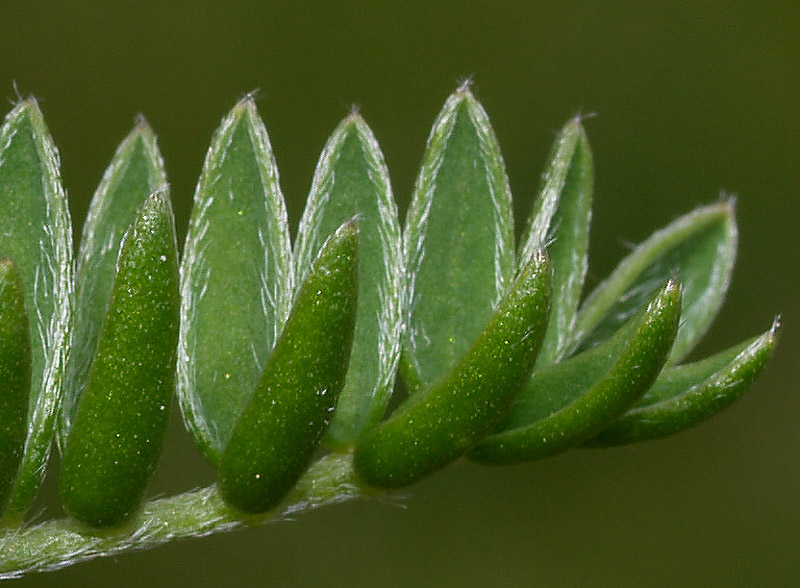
{"x":538,"y":258}
{"x":569,"y":136}
{"x":672,"y":292}
{"x":245,"y":109}
{"x":465,"y":87}
{"x":724,"y":207}
{"x":673,"y":283}
{"x":575,"y":124}
{"x":352,"y":123}
{"x":462,"y":97}
{"x":353,"y":119}
{"x":157,"y":199}
{"x":143,"y":133}
{"x":28,"y":107}
{"x":28,"y":104}
{"x":580,"y":117}
{"x":349,"y":229}
{"x":353,"y":225}
{"x":155,"y":209}
{"x":141,"y":125}
{"x":246,"y":103}
{"x":729,"y":200}
{"x":776,"y":327}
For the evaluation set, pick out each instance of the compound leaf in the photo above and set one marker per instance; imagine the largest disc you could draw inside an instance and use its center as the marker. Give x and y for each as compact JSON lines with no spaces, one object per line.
{"x":560,"y":221}
{"x":236,"y":279}
{"x":135,"y":172}
{"x":458,"y":242}
{"x":698,"y":249}
{"x":569,"y":402}
{"x":279,"y":432}
{"x":686,"y":395}
{"x":440,"y":424}
{"x":352,"y":180}
{"x":116,"y":436}
{"x":35,"y":231}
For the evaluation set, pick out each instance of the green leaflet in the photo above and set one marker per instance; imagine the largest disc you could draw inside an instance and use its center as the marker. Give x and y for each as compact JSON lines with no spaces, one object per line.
{"x":115,"y":439}
{"x":698,"y":249}
{"x":567,"y":403}
{"x":686,"y":395}
{"x":35,"y":232}
{"x":15,"y":377}
{"x":440,"y":424}
{"x":135,"y":172}
{"x":279,"y":431}
{"x":352,"y":180}
{"x":236,"y":279}
{"x":560,"y":221}
{"x":458,"y":242}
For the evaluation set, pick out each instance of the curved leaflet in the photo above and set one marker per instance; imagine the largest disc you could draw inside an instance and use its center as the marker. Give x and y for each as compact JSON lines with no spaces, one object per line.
{"x":352,"y":180}
{"x":290,"y":409}
{"x":15,"y":377}
{"x":35,"y":232}
{"x":560,"y":221}
{"x":458,"y":242}
{"x":697,"y":249}
{"x":686,"y":395}
{"x":135,"y":172}
{"x":438,"y":425}
{"x":115,"y":440}
{"x":236,"y":279}
{"x":569,"y":402}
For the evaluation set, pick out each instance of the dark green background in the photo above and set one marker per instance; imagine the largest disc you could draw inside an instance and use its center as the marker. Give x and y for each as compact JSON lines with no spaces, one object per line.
{"x":690,"y":100}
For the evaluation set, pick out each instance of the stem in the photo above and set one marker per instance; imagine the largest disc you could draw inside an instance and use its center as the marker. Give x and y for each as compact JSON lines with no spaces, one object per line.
{"x":60,"y":543}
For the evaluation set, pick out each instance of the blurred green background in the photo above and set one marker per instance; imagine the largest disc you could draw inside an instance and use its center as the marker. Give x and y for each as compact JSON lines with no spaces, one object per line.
{"x":691,"y":99}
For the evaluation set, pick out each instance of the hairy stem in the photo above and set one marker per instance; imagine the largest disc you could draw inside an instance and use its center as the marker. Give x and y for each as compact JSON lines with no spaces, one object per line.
{"x":60,"y":543}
